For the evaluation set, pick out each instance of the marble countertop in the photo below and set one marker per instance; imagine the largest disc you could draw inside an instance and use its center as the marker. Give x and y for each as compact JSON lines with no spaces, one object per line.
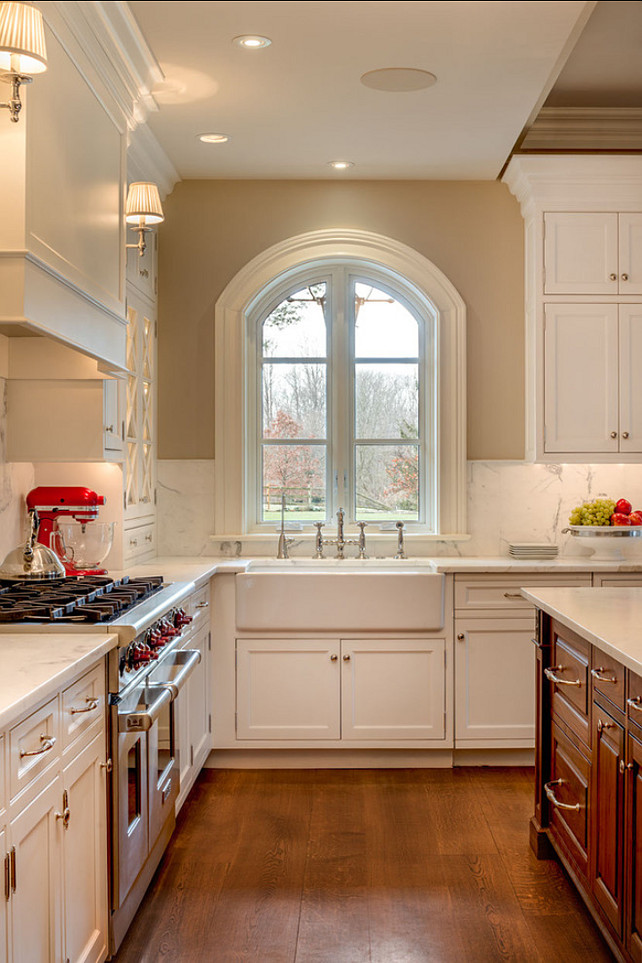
{"x":34,"y":667}
{"x":609,"y":618}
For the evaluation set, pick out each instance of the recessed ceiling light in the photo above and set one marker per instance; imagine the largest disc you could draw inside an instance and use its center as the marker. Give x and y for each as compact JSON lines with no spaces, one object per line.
{"x":252,"y":41}
{"x":340,"y":165}
{"x":213,"y":138}
{"x":398,"y":79}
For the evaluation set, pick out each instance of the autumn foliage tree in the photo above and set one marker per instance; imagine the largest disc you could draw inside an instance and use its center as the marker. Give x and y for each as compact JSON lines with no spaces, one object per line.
{"x":287,"y":467}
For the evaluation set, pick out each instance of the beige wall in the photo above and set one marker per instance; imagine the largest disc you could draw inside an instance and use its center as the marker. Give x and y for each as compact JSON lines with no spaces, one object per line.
{"x":472,"y":231}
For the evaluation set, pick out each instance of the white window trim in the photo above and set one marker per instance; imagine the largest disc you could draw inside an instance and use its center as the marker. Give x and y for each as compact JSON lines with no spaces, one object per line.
{"x":231,"y":390}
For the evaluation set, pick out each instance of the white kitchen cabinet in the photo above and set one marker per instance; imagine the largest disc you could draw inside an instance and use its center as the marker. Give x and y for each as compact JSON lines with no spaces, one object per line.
{"x":193,"y":704}
{"x":373,"y":690}
{"x":593,"y":395}
{"x":593,"y":253}
{"x":617,"y":579}
{"x":393,"y":689}
{"x":142,"y":271}
{"x":36,"y":877}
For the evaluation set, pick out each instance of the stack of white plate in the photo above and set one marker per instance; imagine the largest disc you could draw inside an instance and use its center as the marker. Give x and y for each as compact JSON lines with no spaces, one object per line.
{"x":526,"y":550}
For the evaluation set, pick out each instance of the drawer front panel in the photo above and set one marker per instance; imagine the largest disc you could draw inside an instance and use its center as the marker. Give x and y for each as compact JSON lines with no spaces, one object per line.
{"x":83,"y":705}
{"x":608,"y":678}
{"x":569,"y":787}
{"x":481,"y":593}
{"x":34,"y":745}
{"x":199,"y":608}
{"x":139,"y":542}
{"x":570,"y":679}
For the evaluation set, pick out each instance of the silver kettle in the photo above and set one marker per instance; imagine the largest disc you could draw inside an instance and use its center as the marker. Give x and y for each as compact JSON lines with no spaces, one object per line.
{"x":32,"y":562}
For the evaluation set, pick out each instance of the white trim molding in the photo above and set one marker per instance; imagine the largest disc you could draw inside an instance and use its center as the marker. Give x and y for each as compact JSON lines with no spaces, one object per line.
{"x":315,"y":248}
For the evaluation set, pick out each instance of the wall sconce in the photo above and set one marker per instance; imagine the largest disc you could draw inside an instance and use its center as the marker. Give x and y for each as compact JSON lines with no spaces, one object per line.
{"x":143,"y":208}
{"x":22,"y":49}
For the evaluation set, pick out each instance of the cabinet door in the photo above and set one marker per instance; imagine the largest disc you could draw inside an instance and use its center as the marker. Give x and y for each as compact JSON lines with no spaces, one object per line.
{"x":287,"y":689}
{"x":630,"y":280}
{"x":140,"y":414}
{"x":36,"y":904}
{"x":633,"y":850}
{"x":4,"y":930}
{"x":198,"y":703}
{"x":393,"y":689}
{"x":113,"y":421}
{"x":580,"y":253}
{"x":607,"y":815}
{"x":85,"y":855}
{"x":494,"y":683}
{"x":630,"y":342}
{"x":581,"y":394}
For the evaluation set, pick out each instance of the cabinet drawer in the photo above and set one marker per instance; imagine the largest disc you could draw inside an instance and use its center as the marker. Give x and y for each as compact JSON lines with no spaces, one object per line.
{"x":608,"y":678}
{"x":570,"y":680}
{"x":199,"y":608}
{"x":139,"y":541}
{"x":567,"y":793}
{"x":34,"y":745}
{"x":480,"y":593}
{"x":83,"y":705}
{"x":634,"y":700}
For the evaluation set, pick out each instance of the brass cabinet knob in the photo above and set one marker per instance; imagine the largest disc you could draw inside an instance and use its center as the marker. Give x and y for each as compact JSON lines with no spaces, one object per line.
{"x":346,"y":658}
{"x":612,"y":277}
{"x":333,"y":658}
{"x":624,"y":277}
{"x":614,"y":434}
{"x":625,"y":434}
{"x":460,"y":637}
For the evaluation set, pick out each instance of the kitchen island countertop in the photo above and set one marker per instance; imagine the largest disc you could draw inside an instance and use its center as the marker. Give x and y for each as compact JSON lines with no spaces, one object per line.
{"x":609,"y":618}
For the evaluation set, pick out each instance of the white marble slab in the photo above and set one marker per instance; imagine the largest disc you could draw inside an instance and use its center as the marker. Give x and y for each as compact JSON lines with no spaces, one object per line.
{"x":34,"y":667}
{"x":609,"y":618}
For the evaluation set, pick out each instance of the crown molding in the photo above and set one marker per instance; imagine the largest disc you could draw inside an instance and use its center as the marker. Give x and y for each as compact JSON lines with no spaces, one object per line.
{"x":585,"y":128}
{"x":147,"y":161}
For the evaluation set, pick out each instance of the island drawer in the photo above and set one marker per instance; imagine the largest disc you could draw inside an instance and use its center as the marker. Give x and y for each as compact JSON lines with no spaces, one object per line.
{"x":83,"y":704}
{"x":608,"y":678}
{"x":33,"y":746}
{"x":634,"y":699}
{"x":567,"y":793}
{"x":481,"y":592}
{"x":569,"y":677}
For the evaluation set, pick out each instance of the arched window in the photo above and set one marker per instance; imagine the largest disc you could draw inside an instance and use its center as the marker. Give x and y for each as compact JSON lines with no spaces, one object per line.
{"x":341,"y":363}
{"x":340,"y":382}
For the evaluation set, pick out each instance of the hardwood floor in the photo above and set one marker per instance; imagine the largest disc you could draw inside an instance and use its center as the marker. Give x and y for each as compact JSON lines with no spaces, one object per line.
{"x":359,"y":866}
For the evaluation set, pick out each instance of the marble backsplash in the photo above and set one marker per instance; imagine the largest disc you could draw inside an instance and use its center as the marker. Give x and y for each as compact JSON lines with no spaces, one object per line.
{"x":506,"y":500}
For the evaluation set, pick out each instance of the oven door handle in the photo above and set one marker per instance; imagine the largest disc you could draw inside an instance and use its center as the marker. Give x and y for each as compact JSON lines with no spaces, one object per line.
{"x":143,"y":721}
{"x":192,"y":659}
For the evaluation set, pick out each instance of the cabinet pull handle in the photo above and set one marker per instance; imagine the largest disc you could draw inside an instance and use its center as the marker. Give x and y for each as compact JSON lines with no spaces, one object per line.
{"x":635,"y":703}
{"x":624,"y":768}
{"x":65,"y":815}
{"x":7,"y":876}
{"x":460,"y":637}
{"x":603,"y":725}
{"x":614,"y":434}
{"x":551,"y":796}
{"x":625,"y":434}
{"x":550,"y":674}
{"x":148,"y":537}
{"x":346,"y":658}
{"x":109,"y":429}
{"x":514,"y":595}
{"x":597,"y":674}
{"x":107,"y":766}
{"x":203,"y":605}
{"x":12,"y":869}
{"x":334,"y":658}
{"x":624,"y":277}
{"x":92,"y":704}
{"x":612,"y":277}
{"x":48,"y":742}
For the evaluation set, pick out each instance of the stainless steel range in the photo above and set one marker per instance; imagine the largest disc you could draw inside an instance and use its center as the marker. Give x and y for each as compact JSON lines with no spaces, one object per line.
{"x":145,"y":674}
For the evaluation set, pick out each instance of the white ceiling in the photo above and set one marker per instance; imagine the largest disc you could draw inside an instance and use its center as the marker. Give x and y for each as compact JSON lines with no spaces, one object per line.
{"x":294,"y":106}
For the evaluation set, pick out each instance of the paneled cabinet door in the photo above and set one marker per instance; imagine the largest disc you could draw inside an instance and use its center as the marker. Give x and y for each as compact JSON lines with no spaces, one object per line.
{"x":198,"y":703}
{"x":581,"y":253}
{"x":630,"y":261}
{"x":4,"y":930}
{"x":630,"y":342}
{"x":287,"y":689}
{"x":607,"y":805}
{"x":581,"y":389}
{"x":36,"y":904}
{"x":633,"y":851}
{"x":85,"y":855}
{"x":393,"y":689}
{"x":494,"y":683}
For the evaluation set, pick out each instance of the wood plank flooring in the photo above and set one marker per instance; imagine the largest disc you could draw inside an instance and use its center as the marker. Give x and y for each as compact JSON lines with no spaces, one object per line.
{"x":359,"y":866}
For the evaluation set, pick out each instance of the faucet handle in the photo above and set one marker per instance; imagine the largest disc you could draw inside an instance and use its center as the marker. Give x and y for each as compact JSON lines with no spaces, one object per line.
{"x":401,"y":553}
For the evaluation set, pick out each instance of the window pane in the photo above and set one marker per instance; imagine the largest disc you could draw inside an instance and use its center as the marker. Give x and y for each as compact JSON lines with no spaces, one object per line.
{"x":387,"y":400}
{"x":387,"y":481}
{"x":298,"y":472}
{"x":294,"y":404}
{"x":384,"y":328}
{"x":296,"y":327}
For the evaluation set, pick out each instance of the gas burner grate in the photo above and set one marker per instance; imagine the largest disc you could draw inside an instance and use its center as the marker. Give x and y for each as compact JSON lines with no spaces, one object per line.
{"x":78,"y":598}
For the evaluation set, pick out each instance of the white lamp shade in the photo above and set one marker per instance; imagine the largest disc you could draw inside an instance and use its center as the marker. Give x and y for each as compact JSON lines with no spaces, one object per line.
{"x":143,"y":204}
{"x":22,"y":39}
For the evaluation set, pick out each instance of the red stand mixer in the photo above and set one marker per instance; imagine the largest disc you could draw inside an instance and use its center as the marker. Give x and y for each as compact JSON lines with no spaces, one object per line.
{"x":68,"y":525}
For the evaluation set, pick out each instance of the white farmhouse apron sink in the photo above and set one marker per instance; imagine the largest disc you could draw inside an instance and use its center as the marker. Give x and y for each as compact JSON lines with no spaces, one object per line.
{"x":338,"y":597}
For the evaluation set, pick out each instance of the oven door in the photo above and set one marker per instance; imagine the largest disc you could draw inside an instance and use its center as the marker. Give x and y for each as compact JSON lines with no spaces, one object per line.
{"x":136,"y":721}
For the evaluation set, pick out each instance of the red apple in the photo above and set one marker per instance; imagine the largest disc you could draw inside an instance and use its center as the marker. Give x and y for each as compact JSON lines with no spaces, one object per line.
{"x":623,"y":507}
{"x":619,"y":518}
{"x":636,"y":518}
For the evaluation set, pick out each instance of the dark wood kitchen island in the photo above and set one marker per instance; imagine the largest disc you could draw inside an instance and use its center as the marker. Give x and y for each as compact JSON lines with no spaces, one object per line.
{"x":588,"y":790}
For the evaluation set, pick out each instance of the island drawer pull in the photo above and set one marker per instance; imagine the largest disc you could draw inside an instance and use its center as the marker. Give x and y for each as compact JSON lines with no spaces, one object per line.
{"x":603,"y":725}
{"x":48,"y":742}
{"x":550,"y":675}
{"x":597,"y":674}
{"x":635,"y":703}
{"x":92,"y":703}
{"x":514,"y":595}
{"x":551,"y":796}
